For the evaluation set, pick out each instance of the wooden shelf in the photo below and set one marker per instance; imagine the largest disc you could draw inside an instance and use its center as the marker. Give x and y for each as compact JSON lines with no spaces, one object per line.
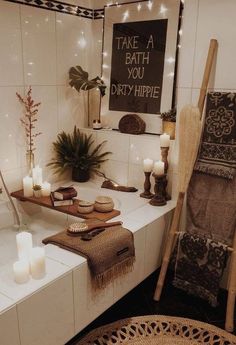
{"x":72,"y":209}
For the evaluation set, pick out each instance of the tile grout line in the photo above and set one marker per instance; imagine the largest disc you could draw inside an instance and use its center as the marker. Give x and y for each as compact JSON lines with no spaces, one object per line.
{"x":22,"y":48}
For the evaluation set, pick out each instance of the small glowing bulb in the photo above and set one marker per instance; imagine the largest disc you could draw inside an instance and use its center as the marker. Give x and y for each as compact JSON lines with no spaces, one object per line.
{"x":105,"y":66}
{"x":30,"y":63}
{"x":139,"y":6}
{"x":105,"y":53}
{"x":163,"y":9}
{"x":171,"y":74}
{"x":29,"y":74}
{"x":179,"y":46}
{"x":149,"y":5}
{"x":125,"y":15}
{"x":82,"y":42}
{"x":180,"y":32}
{"x":170,"y":60}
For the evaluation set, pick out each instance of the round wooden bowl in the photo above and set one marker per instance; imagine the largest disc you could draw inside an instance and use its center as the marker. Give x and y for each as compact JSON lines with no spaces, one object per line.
{"x":103,"y":204}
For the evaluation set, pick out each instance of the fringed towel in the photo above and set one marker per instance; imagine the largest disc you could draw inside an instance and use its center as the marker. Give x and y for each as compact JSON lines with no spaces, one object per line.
{"x":217,"y":154}
{"x":211,"y":207}
{"x":199,"y":266}
{"x":110,"y":254}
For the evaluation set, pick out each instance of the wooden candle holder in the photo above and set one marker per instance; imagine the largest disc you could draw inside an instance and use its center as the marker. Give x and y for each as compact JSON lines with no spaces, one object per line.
{"x":159,"y":189}
{"x":164,"y":156}
{"x":147,"y":186}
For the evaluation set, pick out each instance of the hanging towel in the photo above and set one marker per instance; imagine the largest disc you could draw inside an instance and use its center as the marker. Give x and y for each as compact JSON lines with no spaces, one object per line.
{"x":199,"y":266}
{"x":217,"y":154}
{"x":110,"y":254}
{"x":211,"y":207}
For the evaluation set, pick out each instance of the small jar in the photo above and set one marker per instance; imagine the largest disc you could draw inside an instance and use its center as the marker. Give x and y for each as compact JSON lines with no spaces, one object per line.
{"x":37,"y":193}
{"x":103,"y":204}
{"x":85,"y":207}
{"x":97,"y":124}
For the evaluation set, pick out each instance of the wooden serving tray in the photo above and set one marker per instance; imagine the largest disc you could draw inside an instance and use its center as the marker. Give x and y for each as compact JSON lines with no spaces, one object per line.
{"x":45,"y":201}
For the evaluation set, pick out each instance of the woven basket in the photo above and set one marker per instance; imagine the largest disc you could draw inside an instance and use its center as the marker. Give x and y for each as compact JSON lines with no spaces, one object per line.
{"x":132,"y":124}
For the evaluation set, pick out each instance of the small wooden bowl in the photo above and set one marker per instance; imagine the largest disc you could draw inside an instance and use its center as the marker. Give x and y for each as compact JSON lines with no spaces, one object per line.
{"x":103,"y":204}
{"x":85,"y":207}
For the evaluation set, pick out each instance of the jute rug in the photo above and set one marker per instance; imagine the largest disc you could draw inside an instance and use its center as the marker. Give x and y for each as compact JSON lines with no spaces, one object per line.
{"x":158,"y":330}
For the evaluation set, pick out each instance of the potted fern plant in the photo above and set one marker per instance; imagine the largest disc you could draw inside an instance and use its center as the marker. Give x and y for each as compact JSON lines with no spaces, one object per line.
{"x":74,"y":152}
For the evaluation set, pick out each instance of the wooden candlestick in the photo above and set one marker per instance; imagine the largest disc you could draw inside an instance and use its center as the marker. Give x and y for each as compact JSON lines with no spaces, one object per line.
{"x":147,"y":185}
{"x":159,"y":189}
{"x":164,"y":155}
{"x":166,"y":195}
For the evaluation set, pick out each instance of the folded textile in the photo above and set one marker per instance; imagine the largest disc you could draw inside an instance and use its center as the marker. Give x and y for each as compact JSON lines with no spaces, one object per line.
{"x":199,"y":266}
{"x":211,"y":205}
{"x":110,"y":254}
{"x":217,"y":154}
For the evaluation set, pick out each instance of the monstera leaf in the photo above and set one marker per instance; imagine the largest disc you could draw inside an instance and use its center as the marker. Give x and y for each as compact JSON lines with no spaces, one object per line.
{"x":79,"y":80}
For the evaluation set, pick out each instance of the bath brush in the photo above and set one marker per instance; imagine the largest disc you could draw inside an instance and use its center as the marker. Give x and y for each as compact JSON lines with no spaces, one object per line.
{"x":83,"y":227}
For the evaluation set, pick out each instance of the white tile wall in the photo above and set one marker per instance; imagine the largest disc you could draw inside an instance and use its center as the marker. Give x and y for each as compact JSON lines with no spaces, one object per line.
{"x":11,"y":61}
{"x":39,"y":46}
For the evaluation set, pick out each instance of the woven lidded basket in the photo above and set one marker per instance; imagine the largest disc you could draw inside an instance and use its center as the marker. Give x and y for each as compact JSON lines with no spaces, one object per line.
{"x":132,"y":124}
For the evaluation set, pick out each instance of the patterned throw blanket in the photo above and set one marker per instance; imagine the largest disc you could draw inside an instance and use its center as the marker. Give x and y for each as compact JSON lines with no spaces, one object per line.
{"x":110,"y":254}
{"x":200,"y":266}
{"x":217,"y":155}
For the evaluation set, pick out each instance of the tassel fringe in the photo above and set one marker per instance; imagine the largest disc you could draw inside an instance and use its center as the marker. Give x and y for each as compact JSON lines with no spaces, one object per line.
{"x":100,"y":281}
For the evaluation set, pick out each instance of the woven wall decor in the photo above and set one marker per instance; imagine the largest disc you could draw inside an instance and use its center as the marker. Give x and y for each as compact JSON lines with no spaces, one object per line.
{"x":132,"y":124}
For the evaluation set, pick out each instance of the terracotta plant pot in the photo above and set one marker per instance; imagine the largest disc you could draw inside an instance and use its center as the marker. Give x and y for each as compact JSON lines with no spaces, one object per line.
{"x":79,"y":175}
{"x":168,"y":127}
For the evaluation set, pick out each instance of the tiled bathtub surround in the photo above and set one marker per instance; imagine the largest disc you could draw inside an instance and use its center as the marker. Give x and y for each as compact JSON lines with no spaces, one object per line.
{"x":53,"y":309}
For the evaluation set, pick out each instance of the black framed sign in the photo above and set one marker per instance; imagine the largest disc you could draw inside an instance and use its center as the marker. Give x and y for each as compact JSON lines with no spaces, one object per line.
{"x":137,"y":65}
{"x":139,"y":50}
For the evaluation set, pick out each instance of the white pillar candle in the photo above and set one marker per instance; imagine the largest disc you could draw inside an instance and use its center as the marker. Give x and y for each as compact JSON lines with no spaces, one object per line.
{"x":37,"y":175}
{"x":147,"y":165}
{"x":21,"y":271}
{"x":24,"y":244}
{"x":159,"y":168}
{"x":37,"y":263}
{"x":46,"y":189}
{"x":28,"y":186}
{"x":164,"y":140}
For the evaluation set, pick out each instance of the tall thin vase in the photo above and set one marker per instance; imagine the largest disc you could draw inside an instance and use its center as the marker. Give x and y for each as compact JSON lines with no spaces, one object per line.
{"x":30,"y":161}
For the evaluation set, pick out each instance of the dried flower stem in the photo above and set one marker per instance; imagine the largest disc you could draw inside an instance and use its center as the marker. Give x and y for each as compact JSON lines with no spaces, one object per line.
{"x":29,"y":118}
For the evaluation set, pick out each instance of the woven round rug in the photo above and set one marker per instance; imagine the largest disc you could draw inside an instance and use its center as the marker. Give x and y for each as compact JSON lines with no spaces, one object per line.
{"x":158,"y":330}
